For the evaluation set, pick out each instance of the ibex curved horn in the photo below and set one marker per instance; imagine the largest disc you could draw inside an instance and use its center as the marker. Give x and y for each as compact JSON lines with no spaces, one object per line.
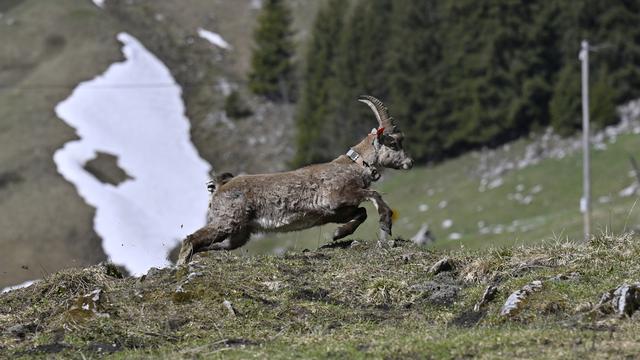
{"x":381,"y":112}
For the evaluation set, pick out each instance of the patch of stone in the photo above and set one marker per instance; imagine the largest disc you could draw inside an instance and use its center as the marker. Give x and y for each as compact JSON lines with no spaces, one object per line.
{"x":622,"y":301}
{"x":489,"y":294}
{"x":445,"y":264}
{"x":229,"y":306}
{"x":516,"y":301}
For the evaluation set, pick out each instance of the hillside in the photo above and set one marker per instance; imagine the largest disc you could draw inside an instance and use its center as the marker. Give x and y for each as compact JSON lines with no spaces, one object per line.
{"x":46,"y":224}
{"x":356,"y":301}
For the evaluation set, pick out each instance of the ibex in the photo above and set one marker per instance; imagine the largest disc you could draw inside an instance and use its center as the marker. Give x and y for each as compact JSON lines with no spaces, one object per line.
{"x":300,"y":199}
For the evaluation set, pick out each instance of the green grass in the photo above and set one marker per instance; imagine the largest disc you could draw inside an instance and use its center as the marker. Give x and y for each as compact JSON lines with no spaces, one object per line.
{"x":358,"y":302}
{"x":553,"y":213}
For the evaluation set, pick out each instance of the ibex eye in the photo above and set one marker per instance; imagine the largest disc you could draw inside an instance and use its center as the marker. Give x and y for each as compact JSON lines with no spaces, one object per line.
{"x":389,"y":142}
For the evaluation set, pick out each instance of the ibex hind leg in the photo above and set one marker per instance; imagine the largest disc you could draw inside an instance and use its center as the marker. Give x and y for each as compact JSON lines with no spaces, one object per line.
{"x":200,"y":241}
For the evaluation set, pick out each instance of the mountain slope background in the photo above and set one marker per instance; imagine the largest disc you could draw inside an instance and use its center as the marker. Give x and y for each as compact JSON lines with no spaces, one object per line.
{"x":50,"y":47}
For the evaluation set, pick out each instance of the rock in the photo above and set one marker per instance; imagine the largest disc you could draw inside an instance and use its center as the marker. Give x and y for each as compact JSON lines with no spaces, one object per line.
{"x":423,"y":236}
{"x":153,"y":272}
{"x":442,"y":265}
{"x":488,"y":295}
{"x":227,"y":304}
{"x":517,"y":299}
{"x":21,"y":330}
{"x":623,"y":301}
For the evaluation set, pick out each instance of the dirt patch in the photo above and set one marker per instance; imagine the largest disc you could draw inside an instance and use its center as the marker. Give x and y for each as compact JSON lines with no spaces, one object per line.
{"x":443,"y":289}
{"x":53,"y":348}
{"x":338,"y":244}
{"x":468,"y":318}
{"x":9,"y":178}
{"x":105,"y":168}
{"x":310,"y":294}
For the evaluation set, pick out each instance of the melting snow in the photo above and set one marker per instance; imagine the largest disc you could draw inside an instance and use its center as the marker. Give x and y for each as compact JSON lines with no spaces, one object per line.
{"x":447,"y":223}
{"x":213,"y":38}
{"x":19,"y":286}
{"x":423,"y":207}
{"x":139,"y":220}
{"x":99,"y":3}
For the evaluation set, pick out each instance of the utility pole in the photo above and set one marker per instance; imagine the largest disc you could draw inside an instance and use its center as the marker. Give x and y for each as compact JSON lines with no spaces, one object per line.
{"x":585,"y":202}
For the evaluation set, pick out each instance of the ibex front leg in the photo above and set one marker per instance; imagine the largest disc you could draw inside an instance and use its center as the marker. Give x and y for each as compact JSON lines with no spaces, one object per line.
{"x":385,"y":213}
{"x":352,"y":217}
{"x":199,"y":241}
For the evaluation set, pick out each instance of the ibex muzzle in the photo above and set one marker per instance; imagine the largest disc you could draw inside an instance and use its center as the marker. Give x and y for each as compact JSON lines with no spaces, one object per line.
{"x":311,"y":196}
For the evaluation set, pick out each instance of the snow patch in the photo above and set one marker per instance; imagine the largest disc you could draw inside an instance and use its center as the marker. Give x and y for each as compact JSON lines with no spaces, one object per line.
{"x":213,"y":38}
{"x":99,"y":3}
{"x":140,"y":219}
{"x":19,"y":286}
{"x":447,"y":223}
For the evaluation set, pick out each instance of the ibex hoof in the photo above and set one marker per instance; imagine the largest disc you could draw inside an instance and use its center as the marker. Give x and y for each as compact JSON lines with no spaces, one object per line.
{"x":186,"y":252}
{"x":383,"y":239}
{"x":385,"y":228}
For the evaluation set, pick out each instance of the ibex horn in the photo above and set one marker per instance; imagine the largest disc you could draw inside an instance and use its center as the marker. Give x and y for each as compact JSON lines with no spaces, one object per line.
{"x":380,"y":111}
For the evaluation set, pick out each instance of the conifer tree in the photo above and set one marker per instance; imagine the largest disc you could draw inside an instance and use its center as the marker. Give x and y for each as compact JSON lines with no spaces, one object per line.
{"x":565,"y":103}
{"x":272,"y":71}
{"x":414,"y":75}
{"x":314,"y":133}
{"x":462,"y":74}
{"x":360,"y":68}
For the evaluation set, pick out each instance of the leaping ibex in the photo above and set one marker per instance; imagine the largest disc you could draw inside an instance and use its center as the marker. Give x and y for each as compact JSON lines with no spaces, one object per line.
{"x":303,"y":198}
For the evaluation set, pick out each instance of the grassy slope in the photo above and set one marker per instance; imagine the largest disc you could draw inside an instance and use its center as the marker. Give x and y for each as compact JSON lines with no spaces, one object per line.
{"x":553,"y":212}
{"x":356,"y":302}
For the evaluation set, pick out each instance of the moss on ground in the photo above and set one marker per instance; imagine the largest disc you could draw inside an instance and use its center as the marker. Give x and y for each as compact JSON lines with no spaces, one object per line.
{"x":353,"y":302}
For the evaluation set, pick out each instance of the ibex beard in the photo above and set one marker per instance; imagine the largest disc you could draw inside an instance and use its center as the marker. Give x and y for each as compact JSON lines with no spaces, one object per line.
{"x":300,"y":199}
